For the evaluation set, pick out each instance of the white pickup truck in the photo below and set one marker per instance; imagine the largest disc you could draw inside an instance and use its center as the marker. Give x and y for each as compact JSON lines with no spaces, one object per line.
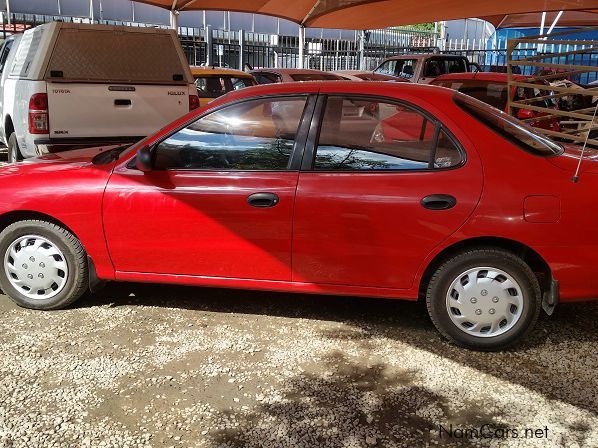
{"x":65,"y":85}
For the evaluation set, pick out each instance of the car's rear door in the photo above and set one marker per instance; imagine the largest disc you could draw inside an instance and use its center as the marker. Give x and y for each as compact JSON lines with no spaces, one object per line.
{"x":386,"y":183}
{"x":219,"y":201}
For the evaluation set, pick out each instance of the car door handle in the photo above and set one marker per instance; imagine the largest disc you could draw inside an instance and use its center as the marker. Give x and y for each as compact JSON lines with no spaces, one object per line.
{"x":263,"y":200}
{"x":439,"y":202}
{"x":122,"y":102}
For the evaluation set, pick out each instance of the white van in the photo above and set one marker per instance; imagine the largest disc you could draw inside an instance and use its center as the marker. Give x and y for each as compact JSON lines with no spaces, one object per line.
{"x":69,"y":84}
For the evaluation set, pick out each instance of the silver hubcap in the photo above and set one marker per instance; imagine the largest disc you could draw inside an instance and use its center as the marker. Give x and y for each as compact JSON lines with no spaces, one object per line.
{"x":35,"y":267}
{"x":484,"y":302}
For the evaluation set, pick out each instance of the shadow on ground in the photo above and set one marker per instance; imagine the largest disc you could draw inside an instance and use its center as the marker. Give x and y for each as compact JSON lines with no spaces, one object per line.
{"x":351,"y":406}
{"x":572,"y":328}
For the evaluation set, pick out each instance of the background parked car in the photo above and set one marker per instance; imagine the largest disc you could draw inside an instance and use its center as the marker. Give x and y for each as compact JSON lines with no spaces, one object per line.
{"x":492,"y":89}
{"x":66,"y":85}
{"x":273,"y":75}
{"x":367,"y":76}
{"x":213,"y":82}
{"x":423,"y":68}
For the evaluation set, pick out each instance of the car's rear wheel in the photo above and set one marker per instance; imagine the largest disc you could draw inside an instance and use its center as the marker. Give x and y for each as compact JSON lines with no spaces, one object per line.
{"x":44,"y":266}
{"x":14,"y":153}
{"x":484,"y":299}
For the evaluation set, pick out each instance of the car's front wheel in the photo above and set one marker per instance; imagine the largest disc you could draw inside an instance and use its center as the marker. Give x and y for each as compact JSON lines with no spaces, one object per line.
{"x":44,"y":266}
{"x":484,"y":299}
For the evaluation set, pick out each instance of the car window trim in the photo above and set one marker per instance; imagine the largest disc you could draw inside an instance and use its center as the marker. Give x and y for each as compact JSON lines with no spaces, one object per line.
{"x":309,"y":152}
{"x":298,"y":144}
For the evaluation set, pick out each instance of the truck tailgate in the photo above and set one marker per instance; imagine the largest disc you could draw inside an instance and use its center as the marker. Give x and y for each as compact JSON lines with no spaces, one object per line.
{"x":118,"y":110}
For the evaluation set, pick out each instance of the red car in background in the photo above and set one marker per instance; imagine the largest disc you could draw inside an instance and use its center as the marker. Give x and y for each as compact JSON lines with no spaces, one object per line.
{"x":303,"y":187}
{"x":492,"y":88}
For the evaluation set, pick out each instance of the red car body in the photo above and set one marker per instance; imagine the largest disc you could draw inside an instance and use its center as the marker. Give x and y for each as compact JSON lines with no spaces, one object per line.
{"x":349,"y":233}
{"x":501,"y":79}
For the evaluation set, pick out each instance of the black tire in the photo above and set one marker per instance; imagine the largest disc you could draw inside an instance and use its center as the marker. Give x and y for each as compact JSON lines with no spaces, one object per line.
{"x":75,"y":256}
{"x":506,"y":261}
{"x":14,"y":153}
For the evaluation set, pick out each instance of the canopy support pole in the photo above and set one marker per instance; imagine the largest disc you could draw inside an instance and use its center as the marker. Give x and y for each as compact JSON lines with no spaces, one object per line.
{"x":556,"y":20}
{"x":362,"y":50}
{"x":8,"y":12}
{"x":301,"y":63}
{"x":174,"y":20}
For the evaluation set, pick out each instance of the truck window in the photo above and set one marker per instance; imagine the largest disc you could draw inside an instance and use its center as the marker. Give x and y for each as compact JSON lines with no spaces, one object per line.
{"x":398,"y":67}
{"x":26,"y":52}
{"x":4,"y":53}
{"x":92,"y":55}
{"x":441,"y":66}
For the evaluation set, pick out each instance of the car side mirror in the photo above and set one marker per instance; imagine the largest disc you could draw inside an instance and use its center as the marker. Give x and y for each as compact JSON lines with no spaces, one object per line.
{"x":143,"y":162}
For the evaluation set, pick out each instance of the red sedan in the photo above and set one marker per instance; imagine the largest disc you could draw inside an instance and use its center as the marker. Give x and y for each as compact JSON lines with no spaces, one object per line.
{"x":304,"y":188}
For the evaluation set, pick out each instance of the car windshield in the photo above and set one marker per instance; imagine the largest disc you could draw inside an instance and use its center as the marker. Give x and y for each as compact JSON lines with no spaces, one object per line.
{"x":404,"y":68}
{"x":215,"y":86}
{"x":314,"y":77}
{"x":517,"y":132}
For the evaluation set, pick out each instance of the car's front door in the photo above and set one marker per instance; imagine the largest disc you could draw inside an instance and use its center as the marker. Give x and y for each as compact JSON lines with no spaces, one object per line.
{"x":219,"y":199}
{"x":387,"y":183}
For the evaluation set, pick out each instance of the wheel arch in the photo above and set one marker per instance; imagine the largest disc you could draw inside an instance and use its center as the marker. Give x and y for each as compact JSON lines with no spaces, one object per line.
{"x":24,"y":215}
{"x":8,"y":128}
{"x":532,"y":258}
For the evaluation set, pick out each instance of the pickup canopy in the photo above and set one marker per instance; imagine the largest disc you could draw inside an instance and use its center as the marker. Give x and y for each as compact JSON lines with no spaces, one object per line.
{"x":97,"y":55}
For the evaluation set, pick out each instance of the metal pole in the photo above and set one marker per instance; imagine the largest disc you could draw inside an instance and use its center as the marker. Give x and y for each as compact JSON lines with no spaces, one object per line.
{"x":133,"y":11}
{"x":174,"y":20}
{"x":301,"y":63}
{"x":8,"y":11}
{"x":208,"y":45}
{"x":241,"y":43}
{"x":59,"y":8}
{"x":362,"y":50}
{"x":91,"y":10}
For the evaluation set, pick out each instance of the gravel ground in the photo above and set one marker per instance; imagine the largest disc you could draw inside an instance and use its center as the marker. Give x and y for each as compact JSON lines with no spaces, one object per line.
{"x":146,"y":365}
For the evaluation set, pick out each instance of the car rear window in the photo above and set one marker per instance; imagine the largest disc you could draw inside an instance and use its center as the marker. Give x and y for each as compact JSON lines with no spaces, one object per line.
{"x":314,"y":77}
{"x":94,"y":55}
{"x":492,"y":93}
{"x":513,"y":130}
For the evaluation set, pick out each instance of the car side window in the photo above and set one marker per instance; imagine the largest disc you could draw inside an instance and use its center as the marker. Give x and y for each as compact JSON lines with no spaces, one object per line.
{"x":4,"y":54}
{"x":252,"y":135}
{"x":361,"y":134}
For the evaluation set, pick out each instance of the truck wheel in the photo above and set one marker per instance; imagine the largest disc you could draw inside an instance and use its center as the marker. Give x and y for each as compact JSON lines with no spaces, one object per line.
{"x":44,"y":266}
{"x":14,"y":153}
{"x":484,"y":299}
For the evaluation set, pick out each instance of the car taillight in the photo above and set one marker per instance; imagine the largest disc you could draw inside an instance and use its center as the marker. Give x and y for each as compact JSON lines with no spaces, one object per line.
{"x":193,"y":102}
{"x":38,"y":114}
